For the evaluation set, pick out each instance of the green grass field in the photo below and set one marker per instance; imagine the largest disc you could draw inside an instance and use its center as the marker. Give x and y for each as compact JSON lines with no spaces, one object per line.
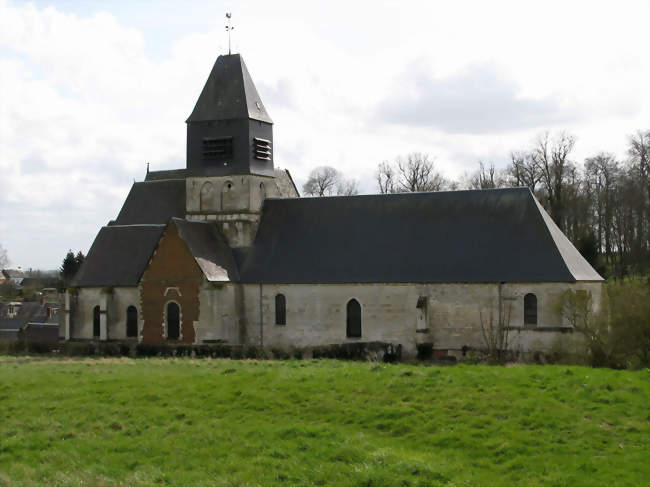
{"x":243,"y":423}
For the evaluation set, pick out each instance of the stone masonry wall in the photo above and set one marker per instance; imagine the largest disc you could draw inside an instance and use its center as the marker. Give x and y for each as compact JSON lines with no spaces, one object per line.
{"x":234,"y":202}
{"x":316,"y":314}
{"x":114,"y":301}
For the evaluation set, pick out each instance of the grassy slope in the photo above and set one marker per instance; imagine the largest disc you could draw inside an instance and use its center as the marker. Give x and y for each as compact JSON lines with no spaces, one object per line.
{"x":220,"y":422}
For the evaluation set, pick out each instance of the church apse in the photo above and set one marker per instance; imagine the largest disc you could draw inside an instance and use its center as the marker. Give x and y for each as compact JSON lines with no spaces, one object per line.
{"x":169,"y":292}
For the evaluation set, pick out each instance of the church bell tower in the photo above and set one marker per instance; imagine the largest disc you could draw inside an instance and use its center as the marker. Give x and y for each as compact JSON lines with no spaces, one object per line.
{"x":229,"y":153}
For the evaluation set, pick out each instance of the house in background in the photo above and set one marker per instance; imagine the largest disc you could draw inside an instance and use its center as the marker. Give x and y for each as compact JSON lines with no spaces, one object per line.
{"x":225,"y":249}
{"x":42,"y":319}
{"x":15,"y":276}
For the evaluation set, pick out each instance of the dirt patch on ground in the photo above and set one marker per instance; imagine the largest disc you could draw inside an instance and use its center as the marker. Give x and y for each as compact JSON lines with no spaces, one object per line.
{"x":67,"y":360}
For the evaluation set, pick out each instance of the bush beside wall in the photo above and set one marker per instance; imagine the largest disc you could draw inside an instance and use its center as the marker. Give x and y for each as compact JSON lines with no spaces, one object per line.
{"x":376,"y":351}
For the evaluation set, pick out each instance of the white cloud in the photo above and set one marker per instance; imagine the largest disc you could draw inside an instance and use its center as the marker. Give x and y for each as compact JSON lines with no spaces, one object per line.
{"x":477,"y":100}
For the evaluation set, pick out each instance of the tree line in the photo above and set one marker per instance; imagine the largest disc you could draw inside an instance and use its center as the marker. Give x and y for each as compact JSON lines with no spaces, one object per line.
{"x":602,"y":204}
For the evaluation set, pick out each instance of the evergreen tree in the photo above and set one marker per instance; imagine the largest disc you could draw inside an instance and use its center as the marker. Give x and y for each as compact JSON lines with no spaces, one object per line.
{"x":69,"y":267}
{"x":79,"y":259}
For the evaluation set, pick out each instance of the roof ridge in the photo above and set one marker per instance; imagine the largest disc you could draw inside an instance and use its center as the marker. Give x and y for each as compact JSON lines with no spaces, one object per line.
{"x":406,"y":194}
{"x":136,"y":225}
{"x":158,"y":180}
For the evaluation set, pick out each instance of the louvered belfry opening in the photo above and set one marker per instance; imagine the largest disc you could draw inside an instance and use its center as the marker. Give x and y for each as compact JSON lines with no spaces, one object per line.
{"x":217,"y":148}
{"x":262,"y":149}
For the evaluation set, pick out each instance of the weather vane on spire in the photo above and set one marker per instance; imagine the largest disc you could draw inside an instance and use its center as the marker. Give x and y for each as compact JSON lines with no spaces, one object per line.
{"x":229,"y":29}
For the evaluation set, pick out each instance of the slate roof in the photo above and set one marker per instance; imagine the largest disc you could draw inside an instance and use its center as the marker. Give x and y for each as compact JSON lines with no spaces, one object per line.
{"x":457,"y":236}
{"x":153,"y":202}
{"x":119,"y":255}
{"x":13,"y":273}
{"x":229,"y":93}
{"x":28,"y":311}
{"x":209,"y":248}
{"x":12,"y":324}
{"x":165,"y":174}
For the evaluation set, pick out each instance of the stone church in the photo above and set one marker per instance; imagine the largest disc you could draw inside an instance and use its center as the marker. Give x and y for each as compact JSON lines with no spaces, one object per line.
{"x":225,"y":250}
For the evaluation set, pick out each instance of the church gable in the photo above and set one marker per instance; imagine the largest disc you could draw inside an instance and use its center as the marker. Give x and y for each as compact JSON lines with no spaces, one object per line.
{"x":169,"y":291}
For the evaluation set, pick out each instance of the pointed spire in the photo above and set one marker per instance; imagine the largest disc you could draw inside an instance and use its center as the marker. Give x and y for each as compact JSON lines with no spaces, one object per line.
{"x":229,"y":93}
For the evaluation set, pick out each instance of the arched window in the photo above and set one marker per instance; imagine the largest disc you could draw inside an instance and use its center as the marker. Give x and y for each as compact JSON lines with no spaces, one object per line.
{"x":530,"y":309}
{"x":280,"y":309}
{"x":131,"y":321}
{"x":353,"y":328}
{"x":173,"y":321}
{"x":96,"y":315}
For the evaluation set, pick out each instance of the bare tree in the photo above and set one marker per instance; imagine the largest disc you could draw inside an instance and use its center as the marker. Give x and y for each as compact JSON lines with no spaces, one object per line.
{"x":551,"y":158}
{"x":417,"y":173}
{"x":603,"y":346}
{"x":326,"y":181}
{"x":523,"y":171}
{"x":413,"y":173}
{"x":322,"y":181}
{"x":639,"y":167}
{"x":347,"y":187}
{"x":486,"y":177}
{"x":495,"y":330}
{"x":386,"y":178}
{"x":601,"y":178}
{"x":639,"y":154}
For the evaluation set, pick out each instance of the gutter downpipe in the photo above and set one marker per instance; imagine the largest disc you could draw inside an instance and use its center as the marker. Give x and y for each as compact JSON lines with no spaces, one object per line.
{"x":261,"y":320}
{"x":500,"y":312}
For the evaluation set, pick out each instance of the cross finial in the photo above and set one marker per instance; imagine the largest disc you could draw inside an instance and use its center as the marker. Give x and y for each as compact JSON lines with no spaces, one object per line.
{"x":229,"y":29}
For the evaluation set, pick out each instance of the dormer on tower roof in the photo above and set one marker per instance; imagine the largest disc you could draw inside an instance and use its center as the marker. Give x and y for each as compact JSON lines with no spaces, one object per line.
{"x":229,"y":131}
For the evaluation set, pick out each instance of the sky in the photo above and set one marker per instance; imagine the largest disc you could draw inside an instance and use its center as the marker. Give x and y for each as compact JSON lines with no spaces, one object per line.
{"x":90,"y":92}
